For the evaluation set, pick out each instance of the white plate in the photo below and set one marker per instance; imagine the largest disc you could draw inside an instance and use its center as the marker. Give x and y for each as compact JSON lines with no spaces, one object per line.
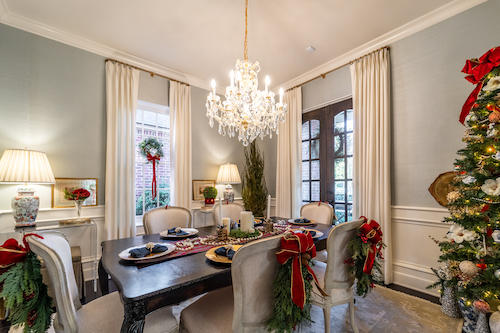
{"x":317,"y":235}
{"x":190,"y":231}
{"x":292,"y":221}
{"x":125,"y":255}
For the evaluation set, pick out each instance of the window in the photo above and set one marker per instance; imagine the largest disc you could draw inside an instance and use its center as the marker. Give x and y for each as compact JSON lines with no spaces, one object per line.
{"x":152,"y":120}
{"x":327,"y":150}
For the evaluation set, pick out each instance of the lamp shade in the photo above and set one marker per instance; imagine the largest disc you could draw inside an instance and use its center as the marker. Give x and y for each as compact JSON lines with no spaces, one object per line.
{"x":25,"y":166}
{"x":228,"y":174}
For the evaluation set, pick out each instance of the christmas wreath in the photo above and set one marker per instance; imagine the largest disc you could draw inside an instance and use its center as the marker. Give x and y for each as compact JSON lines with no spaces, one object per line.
{"x":152,"y":150}
{"x":22,"y":289}
{"x":366,"y":248}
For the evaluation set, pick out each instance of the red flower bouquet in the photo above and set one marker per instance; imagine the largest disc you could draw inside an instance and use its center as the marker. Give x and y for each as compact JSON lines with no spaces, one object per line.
{"x":80,"y":194}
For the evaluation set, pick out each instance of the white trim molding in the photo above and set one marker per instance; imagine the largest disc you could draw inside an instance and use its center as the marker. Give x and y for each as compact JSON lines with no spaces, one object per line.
{"x":420,"y":23}
{"x":321,"y":105}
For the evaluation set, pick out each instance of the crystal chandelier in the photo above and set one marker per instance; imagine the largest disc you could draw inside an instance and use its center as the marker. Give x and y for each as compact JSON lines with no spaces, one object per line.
{"x":246,"y":110}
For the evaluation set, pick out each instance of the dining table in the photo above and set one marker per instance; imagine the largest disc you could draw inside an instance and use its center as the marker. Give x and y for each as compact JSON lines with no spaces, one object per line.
{"x":145,"y":288}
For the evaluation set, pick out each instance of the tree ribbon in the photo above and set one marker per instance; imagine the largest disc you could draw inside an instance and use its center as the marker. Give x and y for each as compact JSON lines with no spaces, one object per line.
{"x":300,"y":248}
{"x":153,"y":160}
{"x":476,"y":70}
{"x":11,"y":252}
{"x":371,"y":232}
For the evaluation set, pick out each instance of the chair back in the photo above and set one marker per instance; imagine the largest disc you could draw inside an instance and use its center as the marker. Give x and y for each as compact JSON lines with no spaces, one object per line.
{"x":337,"y":274}
{"x":320,"y":212}
{"x":231,"y":210}
{"x":162,"y":218}
{"x":56,"y":253}
{"x":253,"y":270}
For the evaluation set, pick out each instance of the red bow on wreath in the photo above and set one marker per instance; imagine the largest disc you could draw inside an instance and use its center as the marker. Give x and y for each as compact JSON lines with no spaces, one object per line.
{"x":477,"y":69}
{"x":300,"y":248}
{"x":370,"y":232}
{"x":11,"y":252}
{"x":153,"y":160}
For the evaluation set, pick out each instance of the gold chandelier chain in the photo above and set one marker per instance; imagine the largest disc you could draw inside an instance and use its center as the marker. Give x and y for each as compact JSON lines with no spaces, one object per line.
{"x":245,"y":45}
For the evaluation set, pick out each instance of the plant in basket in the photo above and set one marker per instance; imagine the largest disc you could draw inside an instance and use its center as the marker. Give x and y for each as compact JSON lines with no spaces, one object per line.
{"x":209,"y":193}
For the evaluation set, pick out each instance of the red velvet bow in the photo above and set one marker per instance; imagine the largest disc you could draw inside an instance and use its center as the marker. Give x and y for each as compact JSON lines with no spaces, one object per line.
{"x":153,"y":160}
{"x":370,"y":232}
{"x":297,"y":246}
{"x":477,"y":69}
{"x":11,"y":252}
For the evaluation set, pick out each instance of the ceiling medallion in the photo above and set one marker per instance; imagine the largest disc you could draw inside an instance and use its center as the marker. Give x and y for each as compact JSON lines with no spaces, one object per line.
{"x":246,"y":110}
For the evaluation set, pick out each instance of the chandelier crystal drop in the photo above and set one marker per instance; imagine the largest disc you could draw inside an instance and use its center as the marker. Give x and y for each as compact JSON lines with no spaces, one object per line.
{"x":246,"y":110}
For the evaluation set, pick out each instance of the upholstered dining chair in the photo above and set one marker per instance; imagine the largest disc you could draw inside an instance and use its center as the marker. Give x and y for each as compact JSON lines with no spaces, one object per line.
{"x":162,"y":218}
{"x":334,"y":276}
{"x":320,"y":212}
{"x":247,"y":305}
{"x":231,"y":210}
{"x":105,"y":314}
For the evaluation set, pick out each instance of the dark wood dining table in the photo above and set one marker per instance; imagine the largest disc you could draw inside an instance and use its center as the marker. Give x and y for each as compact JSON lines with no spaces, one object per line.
{"x":144,"y":289}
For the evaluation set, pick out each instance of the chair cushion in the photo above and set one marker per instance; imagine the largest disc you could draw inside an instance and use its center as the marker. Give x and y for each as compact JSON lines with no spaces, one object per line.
{"x":212,"y":313}
{"x":105,"y":314}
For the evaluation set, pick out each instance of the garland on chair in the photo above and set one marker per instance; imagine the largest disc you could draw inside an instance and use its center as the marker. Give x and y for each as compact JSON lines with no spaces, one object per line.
{"x":366,"y":248}
{"x":21,"y":287}
{"x":293,"y":283}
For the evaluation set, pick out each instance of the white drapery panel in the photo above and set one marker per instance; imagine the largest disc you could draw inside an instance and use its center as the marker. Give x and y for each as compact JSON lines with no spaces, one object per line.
{"x":122,"y":87}
{"x":288,"y":165}
{"x":371,"y":178}
{"x":180,"y":144}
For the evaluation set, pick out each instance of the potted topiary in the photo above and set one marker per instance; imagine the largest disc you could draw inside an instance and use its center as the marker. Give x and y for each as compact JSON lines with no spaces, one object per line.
{"x":209,"y":193}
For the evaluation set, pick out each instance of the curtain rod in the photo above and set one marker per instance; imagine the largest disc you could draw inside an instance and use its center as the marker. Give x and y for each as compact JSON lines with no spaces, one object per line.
{"x":323,"y":75}
{"x":145,"y":70}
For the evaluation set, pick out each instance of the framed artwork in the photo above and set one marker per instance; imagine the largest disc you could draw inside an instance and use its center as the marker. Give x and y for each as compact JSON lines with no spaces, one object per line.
{"x":199,"y":186}
{"x":58,"y":200}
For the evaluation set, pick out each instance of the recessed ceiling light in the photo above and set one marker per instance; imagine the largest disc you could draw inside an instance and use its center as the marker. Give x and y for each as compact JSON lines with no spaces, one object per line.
{"x":310,"y":48}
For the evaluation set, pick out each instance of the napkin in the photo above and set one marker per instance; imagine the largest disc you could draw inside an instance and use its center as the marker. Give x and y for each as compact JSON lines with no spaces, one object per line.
{"x":143,"y":251}
{"x":180,"y":233}
{"x":304,"y":220}
{"x":223,"y":251}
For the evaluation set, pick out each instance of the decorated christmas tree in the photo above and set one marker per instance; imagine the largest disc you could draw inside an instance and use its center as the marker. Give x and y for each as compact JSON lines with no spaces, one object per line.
{"x":471,"y":250}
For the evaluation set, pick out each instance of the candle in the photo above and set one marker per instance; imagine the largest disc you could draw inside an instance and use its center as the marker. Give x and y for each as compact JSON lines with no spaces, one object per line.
{"x":226,"y":222}
{"x":268,"y":206}
{"x":213,"y":85}
{"x":220,"y":211}
{"x":281,"y":95}
{"x":267,"y":81}
{"x":246,"y":221}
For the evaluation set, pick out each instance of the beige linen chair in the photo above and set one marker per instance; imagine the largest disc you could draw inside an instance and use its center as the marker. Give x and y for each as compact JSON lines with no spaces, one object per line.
{"x":105,"y":314}
{"x":320,"y":212}
{"x":334,"y":276}
{"x":231,"y":210}
{"x":162,"y":218}
{"x":247,"y":305}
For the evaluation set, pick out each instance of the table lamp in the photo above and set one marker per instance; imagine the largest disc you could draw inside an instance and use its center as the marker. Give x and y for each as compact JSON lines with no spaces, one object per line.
{"x":20,"y":166}
{"x":228,"y":174}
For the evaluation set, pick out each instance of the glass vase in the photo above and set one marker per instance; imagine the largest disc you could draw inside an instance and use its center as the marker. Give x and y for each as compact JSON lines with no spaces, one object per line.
{"x":78,"y":206}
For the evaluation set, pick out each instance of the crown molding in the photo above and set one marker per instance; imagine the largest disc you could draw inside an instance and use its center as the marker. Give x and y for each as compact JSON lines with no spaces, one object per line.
{"x":420,"y":23}
{"x":7,"y":17}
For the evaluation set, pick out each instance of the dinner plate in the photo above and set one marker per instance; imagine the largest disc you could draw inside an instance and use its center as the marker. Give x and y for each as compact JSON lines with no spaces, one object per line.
{"x":212,"y":256}
{"x":125,"y":255}
{"x":190,"y":231}
{"x":318,"y":233}
{"x":292,"y":221}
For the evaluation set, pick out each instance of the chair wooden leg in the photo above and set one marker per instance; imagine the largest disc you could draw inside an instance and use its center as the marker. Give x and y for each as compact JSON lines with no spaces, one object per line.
{"x":326,"y":314}
{"x":351,"y":313}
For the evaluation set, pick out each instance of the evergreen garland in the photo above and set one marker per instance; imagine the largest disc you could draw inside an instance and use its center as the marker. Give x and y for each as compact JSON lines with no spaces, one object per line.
{"x":25,"y":295}
{"x":286,"y":315}
{"x":254,"y":192}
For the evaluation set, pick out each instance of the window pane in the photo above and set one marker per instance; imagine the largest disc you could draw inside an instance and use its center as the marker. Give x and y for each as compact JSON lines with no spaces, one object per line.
{"x":349,"y":144}
{"x":305,"y":131}
{"x":349,"y":121}
{"x":314,"y":149}
{"x":339,"y":191}
{"x":349,"y":191}
{"x":349,"y":212}
{"x":138,"y":116}
{"x":315,"y":170}
{"x":315,"y":191}
{"x":339,"y":168}
{"x":305,"y":150}
{"x":163,"y":120}
{"x":349,"y":167}
{"x":139,"y":198}
{"x":150,"y":118}
{"x":340,"y":212}
{"x":339,"y":145}
{"x":305,"y":170}
{"x":305,"y":191}
{"x":314,"y":129}
{"x":338,"y":123}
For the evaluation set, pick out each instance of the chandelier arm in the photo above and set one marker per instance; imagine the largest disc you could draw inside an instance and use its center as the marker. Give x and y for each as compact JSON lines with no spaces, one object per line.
{"x":245,"y":45}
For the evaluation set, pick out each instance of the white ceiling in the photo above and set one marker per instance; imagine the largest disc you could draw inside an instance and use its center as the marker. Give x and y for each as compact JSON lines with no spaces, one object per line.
{"x":204,"y":38}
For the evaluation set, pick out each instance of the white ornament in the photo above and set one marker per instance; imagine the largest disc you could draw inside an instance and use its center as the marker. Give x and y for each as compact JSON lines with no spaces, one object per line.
{"x":495,"y":321}
{"x":497,"y":274}
{"x":458,"y":234}
{"x":497,"y":156}
{"x":468,"y":268}
{"x":492,"y":131}
{"x":496,"y":236}
{"x":468,"y":180}
{"x":491,"y":186}
{"x":493,"y":84}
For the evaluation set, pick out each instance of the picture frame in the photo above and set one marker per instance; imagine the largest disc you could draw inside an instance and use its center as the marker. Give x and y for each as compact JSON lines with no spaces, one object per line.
{"x":199,"y":186}
{"x":90,"y":184}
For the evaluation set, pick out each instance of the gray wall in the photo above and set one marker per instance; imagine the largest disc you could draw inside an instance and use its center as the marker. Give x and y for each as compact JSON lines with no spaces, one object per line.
{"x":52,"y":98}
{"x":428,"y":91}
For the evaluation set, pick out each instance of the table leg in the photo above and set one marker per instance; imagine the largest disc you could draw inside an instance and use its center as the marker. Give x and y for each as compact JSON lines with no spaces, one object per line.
{"x":134,"y":317}
{"x":103,"y":279}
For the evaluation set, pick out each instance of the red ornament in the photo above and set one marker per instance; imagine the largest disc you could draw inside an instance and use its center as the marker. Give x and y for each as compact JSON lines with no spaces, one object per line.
{"x":481,"y":265}
{"x":485,"y":208}
{"x":494,"y":117}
